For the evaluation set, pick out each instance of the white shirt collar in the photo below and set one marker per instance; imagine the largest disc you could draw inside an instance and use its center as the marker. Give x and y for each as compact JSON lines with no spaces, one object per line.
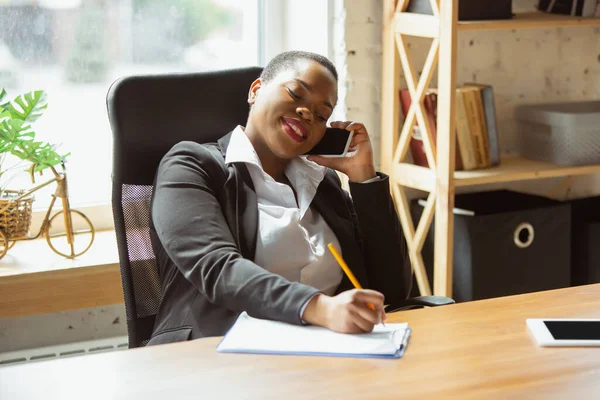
{"x":304,"y":175}
{"x":240,"y":149}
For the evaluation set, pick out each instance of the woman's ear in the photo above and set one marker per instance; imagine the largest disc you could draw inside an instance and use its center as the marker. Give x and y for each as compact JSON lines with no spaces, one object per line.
{"x":253,"y":92}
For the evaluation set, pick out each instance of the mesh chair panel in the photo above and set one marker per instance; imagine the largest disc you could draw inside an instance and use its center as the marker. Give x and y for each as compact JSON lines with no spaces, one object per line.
{"x":142,"y":263}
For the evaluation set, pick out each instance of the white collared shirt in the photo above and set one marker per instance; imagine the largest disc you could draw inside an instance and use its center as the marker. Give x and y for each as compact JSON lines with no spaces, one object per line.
{"x":292,"y":238}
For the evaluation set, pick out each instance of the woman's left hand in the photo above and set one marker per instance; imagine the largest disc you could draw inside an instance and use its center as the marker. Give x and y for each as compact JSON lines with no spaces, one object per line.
{"x":359,"y":166}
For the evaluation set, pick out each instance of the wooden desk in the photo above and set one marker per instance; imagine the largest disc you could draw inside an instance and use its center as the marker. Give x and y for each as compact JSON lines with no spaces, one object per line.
{"x":478,"y":350}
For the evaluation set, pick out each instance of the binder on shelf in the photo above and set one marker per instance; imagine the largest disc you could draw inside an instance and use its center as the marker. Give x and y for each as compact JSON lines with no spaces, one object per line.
{"x":489,"y":107}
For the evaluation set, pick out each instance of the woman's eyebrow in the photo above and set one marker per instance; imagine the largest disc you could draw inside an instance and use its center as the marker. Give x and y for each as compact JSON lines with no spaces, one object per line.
{"x":306,"y":85}
{"x":310,"y":89}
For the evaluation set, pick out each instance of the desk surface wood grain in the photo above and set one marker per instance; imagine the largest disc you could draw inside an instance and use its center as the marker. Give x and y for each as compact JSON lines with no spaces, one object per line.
{"x":477,"y":350}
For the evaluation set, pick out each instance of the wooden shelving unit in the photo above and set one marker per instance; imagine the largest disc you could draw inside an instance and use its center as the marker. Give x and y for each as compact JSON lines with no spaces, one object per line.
{"x":511,"y":169}
{"x":441,"y":179}
{"x":428,"y":26}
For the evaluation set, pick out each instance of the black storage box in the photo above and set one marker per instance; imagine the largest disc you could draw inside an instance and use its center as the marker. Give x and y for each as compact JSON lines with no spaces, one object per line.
{"x":469,"y":10}
{"x":505,"y":243}
{"x":585,"y":241}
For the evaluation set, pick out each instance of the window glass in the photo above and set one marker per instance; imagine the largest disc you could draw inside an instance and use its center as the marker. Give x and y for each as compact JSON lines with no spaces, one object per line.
{"x":74,"y":50}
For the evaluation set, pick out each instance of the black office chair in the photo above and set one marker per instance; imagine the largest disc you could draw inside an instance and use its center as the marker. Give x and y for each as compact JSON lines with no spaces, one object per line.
{"x":148,"y":115}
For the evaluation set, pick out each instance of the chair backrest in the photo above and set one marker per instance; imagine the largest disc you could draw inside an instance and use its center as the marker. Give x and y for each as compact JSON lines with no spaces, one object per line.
{"x":148,"y":115}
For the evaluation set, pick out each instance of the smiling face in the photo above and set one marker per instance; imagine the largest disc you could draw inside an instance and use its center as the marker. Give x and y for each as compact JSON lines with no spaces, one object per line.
{"x":289,"y":113}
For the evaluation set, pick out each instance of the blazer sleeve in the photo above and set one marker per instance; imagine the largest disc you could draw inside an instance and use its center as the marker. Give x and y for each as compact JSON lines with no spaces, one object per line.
{"x":192,"y":228}
{"x":384,"y":245}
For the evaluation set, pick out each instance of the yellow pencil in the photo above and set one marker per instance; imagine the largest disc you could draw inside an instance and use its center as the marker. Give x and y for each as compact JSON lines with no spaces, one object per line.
{"x":344,"y":266}
{"x":346,"y":269}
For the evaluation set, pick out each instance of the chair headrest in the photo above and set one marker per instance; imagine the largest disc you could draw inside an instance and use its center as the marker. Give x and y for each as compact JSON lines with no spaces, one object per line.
{"x":149,"y":114}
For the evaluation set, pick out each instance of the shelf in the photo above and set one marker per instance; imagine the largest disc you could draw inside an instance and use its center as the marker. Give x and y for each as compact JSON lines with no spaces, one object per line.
{"x":511,"y":169}
{"x":414,"y":24}
{"x":528,"y":21}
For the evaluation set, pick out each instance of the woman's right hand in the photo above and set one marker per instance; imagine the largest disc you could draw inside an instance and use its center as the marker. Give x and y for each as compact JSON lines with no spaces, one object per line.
{"x":348,"y":312}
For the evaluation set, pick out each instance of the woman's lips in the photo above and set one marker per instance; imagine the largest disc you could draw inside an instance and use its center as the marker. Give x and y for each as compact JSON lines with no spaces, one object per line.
{"x":294,"y":129}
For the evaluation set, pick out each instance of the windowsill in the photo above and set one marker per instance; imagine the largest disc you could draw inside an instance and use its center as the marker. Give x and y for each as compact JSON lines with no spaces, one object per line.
{"x":99,"y":214}
{"x":35,"y":280}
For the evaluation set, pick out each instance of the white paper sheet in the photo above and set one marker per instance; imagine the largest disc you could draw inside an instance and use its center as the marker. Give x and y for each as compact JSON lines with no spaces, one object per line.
{"x":262,"y":336}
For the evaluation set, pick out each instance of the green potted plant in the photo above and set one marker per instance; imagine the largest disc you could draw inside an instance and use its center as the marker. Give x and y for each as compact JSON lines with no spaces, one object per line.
{"x":17,"y":138}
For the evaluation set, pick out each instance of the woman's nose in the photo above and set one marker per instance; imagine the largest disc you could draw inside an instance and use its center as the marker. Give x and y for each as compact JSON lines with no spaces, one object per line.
{"x":304,"y":113}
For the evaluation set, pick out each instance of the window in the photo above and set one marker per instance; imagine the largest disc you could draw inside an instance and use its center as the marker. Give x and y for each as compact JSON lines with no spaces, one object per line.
{"x":74,"y":49}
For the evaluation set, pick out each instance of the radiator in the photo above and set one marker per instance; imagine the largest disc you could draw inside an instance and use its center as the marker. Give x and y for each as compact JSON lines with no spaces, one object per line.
{"x":63,"y":350}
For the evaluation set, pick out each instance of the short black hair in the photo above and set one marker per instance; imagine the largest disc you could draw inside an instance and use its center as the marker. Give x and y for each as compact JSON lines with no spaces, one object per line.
{"x":288,"y":60}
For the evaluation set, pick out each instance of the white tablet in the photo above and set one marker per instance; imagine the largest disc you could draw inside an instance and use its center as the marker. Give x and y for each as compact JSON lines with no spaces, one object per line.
{"x":565,"y":331}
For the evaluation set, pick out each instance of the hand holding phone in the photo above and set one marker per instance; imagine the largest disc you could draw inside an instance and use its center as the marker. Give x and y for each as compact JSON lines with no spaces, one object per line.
{"x":335,"y":143}
{"x":357,"y":165}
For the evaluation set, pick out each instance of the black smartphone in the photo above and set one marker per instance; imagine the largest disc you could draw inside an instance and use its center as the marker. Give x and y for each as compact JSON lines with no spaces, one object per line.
{"x":335,"y":143}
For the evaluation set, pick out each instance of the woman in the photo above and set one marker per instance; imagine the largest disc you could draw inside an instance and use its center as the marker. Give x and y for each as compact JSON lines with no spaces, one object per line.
{"x":243,"y":224}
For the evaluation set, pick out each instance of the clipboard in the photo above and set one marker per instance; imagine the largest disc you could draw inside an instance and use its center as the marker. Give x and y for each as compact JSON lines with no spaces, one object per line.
{"x":257,"y":336}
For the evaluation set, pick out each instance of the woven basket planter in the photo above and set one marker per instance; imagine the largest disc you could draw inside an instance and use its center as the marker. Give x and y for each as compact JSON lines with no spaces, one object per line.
{"x":15,"y":215}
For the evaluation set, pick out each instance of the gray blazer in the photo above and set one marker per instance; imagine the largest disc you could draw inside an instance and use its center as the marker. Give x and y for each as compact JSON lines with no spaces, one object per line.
{"x":204,"y":219}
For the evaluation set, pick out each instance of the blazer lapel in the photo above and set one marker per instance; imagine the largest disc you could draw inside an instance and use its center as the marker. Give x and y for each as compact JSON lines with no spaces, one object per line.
{"x":246,"y":206}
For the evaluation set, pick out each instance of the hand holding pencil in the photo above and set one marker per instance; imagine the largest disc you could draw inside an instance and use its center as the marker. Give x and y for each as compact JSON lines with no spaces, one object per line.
{"x":351,"y":276}
{"x":353,"y":311}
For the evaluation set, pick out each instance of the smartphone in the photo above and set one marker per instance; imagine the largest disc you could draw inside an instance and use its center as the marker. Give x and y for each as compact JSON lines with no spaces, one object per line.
{"x":335,"y":143}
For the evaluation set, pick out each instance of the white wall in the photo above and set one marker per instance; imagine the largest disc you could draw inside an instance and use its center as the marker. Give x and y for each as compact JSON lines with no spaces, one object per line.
{"x":62,"y":327}
{"x":357,"y":54}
